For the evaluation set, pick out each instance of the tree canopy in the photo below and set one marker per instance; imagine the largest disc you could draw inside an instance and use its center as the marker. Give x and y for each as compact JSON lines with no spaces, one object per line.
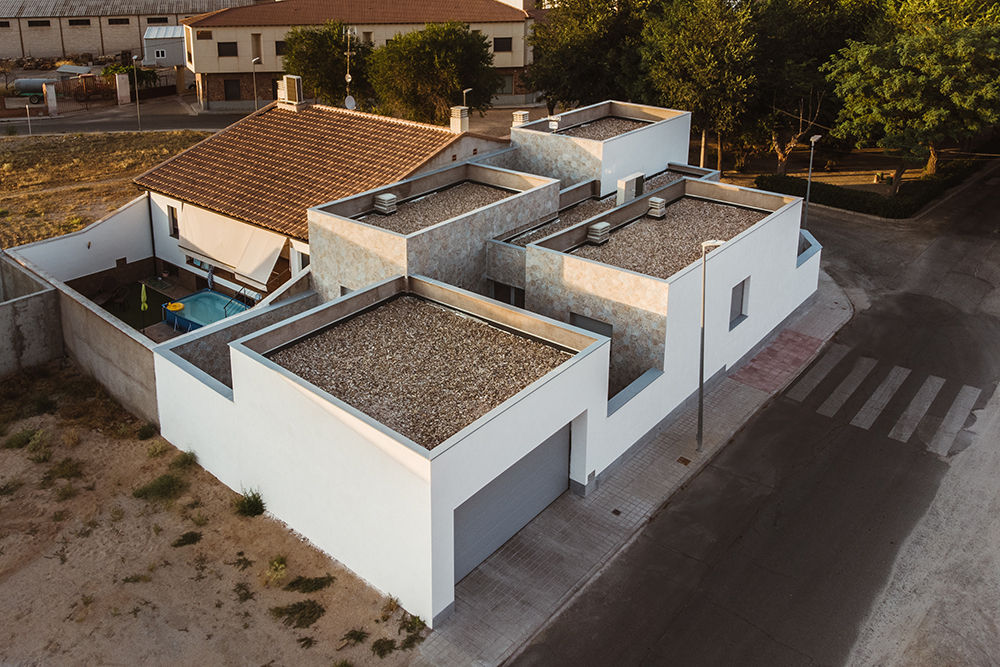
{"x":318,"y":55}
{"x":420,"y":75}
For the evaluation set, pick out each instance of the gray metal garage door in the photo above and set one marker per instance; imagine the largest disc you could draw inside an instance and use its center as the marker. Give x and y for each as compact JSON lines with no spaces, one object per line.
{"x":501,"y":508}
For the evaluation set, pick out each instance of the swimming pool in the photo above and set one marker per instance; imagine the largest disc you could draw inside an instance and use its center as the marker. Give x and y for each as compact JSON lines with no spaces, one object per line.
{"x":202,"y":308}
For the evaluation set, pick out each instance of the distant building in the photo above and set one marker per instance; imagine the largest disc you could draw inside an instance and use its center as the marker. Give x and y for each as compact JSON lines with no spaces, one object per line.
{"x":163,"y":46}
{"x":62,"y":28}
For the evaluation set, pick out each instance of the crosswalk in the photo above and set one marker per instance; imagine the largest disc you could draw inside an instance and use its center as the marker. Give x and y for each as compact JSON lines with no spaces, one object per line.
{"x":861,"y":369}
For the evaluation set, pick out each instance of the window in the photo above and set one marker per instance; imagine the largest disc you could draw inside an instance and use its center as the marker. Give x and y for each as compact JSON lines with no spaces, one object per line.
{"x":157,"y":19}
{"x":203,"y":34}
{"x":279,"y":48}
{"x":255,"y":45}
{"x":228,"y":49}
{"x":232,"y":89}
{"x":79,"y":21}
{"x":205,"y":266}
{"x":738,"y":304}
{"x":190,"y":57}
{"x":508,"y":294}
{"x":175,"y":231}
{"x":160,"y":53}
{"x":367,"y":38}
{"x":503,"y":44}
{"x":39,"y":23}
{"x":4,"y":24}
{"x":118,"y":21}
{"x":590,"y":324}
{"x":508,"y":84}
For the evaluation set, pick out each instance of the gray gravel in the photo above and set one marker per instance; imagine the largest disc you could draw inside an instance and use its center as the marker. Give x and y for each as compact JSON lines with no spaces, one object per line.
{"x":604,"y":128}
{"x":662,"y":247}
{"x":416,"y":214}
{"x":419,"y":368}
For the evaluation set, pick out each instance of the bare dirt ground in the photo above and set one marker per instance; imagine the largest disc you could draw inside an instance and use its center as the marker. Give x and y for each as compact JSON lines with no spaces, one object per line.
{"x":91,"y":574}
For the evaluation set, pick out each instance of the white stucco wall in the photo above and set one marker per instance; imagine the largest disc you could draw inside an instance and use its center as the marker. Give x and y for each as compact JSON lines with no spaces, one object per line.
{"x":647,"y":150}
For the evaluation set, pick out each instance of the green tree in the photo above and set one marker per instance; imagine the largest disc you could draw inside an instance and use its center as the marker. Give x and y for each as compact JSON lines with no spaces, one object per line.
{"x":587,"y":51}
{"x":148,"y":78}
{"x":933,"y":80}
{"x":699,"y":57}
{"x":420,"y":75}
{"x":318,"y":55}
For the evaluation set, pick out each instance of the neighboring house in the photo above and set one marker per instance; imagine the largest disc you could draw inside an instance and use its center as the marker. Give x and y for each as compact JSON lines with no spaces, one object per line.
{"x":480,"y":327}
{"x":63,"y":28}
{"x":222,"y":45}
{"x":163,"y":46}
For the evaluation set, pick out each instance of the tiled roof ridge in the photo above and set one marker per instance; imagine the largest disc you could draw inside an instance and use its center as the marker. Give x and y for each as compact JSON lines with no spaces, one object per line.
{"x":393,"y":119}
{"x":191,"y":20}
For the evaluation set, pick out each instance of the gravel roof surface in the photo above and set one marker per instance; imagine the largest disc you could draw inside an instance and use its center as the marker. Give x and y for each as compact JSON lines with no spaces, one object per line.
{"x":661,"y":248}
{"x":416,"y":214}
{"x":419,"y":368}
{"x":603,"y":128}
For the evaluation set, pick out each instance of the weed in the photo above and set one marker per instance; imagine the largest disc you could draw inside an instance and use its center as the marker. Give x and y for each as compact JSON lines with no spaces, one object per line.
{"x":309,"y":584}
{"x":277,"y":568}
{"x":343,"y":663}
{"x":146,"y":431}
{"x":41,"y":405}
{"x":157,"y":449}
{"x":66,"y":492}
{"x":354,"y":637}
{"x":61,"y":553}
{"x":19,"y":440}
{"x":164,"y":487}
{"x":86,"y":600}
{"x":306,"y":642}
{"x":199,"y":519}
{"x":190,"y":537}
{"x":9,"y":488}
{"x":411,"y":624}
{"x":200,"y":565}
{"x":87,"y":528}
{"x":184,"y":460}
{"x":60,"y":515}
{"x":299,"y":614}
{"x":71,"y":437}
{"x":68,"y":468}
{"x":249,"y":503}
{"x":389,"y":608}
{"x":40,"y":455}
{"x":243,"y":592}
{"x":383,"y":647}
{"x":137,"y":579}
{"x":242,"y":562}
{"x":117,"y":514}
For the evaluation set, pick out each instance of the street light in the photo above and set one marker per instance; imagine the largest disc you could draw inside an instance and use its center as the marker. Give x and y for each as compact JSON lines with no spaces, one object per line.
{"x":705,"y":245}
{"x":467,"y":90}
{"x":135,"y":75}
{"x":812,"y":149}
{"x":255,"y":62}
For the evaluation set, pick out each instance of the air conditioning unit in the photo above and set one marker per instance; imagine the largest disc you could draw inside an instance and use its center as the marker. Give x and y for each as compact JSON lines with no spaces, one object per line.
{"x":293,"y":89}
{"x":598,"y":233}
{"x":385,"y":203}
{"x":657,"y":207}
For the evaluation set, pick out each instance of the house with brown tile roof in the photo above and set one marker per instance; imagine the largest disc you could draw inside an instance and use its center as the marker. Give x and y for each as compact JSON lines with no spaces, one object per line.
{"x":221,"y":45}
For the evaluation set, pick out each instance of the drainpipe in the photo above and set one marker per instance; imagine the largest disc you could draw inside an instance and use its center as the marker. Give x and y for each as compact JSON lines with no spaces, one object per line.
{"x":152,"y":231}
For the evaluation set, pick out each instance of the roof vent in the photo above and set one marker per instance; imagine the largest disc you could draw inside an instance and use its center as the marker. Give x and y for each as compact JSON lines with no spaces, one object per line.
{"x":459,"y":119}
{"x":598,"y":233}
{"x":520,"y":118}
{"x":385,"y":203}
{"x":554,"y":123}
{"x":657,"y":207}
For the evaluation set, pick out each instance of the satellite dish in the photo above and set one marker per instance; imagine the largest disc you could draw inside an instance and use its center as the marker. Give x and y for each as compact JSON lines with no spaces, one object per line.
{"x":350,"y":102}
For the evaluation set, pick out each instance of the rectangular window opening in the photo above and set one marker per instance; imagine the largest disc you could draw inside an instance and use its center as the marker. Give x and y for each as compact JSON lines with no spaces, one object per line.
{"x":739,"y":302}
{"x":118,"y":21}
{"x":157,"y":19}
{"x":590,"y":324}
{"x":79,"y":21}
{"x":175,"y":231}
{"x":279,"y":48}
{"x":255,"y":45}
{"x":4,"y":24}
{"x":503,"y":44}
{"x":39,"y":23}
{"x":228,"y":49}
{"x":203,"y":34}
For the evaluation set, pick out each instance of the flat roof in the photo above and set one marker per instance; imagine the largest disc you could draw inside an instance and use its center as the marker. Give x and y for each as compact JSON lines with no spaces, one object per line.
{"x":446,"y":203}
{"x":425,"y":370}
{"x":660,"y":247}
{"x":604,"y":128}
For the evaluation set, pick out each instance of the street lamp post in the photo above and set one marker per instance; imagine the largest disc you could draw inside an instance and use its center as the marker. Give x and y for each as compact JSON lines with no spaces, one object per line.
{"x":705,"y":245}
{"x":464,"y":92}
{"x":812,"y":149}
{"x":135,"y":76}
{"x":255,"y":62}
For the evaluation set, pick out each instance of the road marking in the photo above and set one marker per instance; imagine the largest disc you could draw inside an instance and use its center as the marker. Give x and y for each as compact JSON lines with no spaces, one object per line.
{"x":876,"y":403}
{"x":954,"y":420}
{"x":862,"y":367}
{"x":917,"y":408}
{"x":811,"y":380}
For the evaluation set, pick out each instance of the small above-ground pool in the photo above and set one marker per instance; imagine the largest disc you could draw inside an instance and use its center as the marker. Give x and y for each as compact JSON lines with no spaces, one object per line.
{"x":201,"y":308}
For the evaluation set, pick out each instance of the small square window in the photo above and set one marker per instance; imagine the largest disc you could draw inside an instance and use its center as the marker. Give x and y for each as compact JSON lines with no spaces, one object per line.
{"x":160,"y":53}
{"x":366,"y":38}
{"x":175,"y":230}
{"x":279,"y":48}
{"x":739,"y":303}
{"x":503,"y":44}
{"x":228,"y":49}
{"x":121,"y":21}
{"x":203,"y":34}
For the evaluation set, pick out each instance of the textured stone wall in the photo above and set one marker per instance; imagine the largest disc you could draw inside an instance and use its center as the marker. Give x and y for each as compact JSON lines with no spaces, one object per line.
{"x":570,"y":159}
{"x":505,"y":263}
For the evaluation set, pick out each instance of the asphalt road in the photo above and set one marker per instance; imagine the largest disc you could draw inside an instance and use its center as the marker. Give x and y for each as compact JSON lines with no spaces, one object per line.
{"x":778,"y":551}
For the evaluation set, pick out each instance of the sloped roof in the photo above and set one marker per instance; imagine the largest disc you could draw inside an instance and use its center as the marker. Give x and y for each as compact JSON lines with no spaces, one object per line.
{"x":316,"y":12}
{"x":268,"y":168}
{"x":43,"y":8}
{"x":164,"y":32}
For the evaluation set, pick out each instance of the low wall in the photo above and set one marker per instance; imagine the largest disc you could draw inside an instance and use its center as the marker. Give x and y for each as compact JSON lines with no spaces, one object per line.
{"x":29,"y":320}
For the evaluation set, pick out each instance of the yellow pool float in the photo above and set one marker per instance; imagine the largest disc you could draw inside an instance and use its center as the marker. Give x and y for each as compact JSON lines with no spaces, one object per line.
{"x":175,"y":306}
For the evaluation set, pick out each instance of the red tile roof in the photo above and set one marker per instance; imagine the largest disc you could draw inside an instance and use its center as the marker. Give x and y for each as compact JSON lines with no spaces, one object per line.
{"x":268,"y":168}
{"x":315,"y":12}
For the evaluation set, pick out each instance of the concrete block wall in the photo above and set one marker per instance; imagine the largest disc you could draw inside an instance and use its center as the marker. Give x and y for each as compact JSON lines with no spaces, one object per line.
{"x":29,"y":320}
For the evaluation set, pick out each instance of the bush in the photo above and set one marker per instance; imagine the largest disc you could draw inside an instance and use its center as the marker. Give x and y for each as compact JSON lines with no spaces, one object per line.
{"x":184,"y":460}
{"x":146,"y":431}
{"x":19,"y":440}
{"x":249,"y":503}
{"x":383,"y":647}
{"x":190,"y":537}
{"x":164,"y":487}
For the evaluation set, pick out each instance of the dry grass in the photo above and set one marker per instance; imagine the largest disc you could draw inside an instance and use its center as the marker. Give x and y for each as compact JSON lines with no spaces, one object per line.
{"x":53,"y":185}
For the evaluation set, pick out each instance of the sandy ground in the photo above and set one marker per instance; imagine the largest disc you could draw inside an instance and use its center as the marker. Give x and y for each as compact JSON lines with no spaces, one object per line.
{"x":94,"y":579}
{"x":942,"y":604}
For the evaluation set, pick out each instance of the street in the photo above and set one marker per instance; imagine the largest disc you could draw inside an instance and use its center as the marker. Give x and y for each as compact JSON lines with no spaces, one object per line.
{"x":853,"y":520}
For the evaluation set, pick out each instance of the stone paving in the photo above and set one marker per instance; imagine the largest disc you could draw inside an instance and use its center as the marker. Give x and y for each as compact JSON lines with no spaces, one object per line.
{"x":517,"y":590}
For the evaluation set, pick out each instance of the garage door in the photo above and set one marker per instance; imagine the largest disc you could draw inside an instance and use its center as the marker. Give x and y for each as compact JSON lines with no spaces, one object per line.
{"x":501,"y":508}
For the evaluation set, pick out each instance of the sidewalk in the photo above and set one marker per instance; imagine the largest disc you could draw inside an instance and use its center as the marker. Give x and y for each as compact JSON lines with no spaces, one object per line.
{"x":520,"y":588}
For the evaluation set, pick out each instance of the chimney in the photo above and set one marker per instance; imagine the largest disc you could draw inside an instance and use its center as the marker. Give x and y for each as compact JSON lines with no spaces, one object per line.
{"x":459,"y":119}
{"x":290,"y":95}
{"x":520,"y":118}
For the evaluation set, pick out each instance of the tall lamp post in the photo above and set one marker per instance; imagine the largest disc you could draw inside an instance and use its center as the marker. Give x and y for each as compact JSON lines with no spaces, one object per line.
{"x":812,"y":149}
{"x":135,"y":75}
{"x":464,"y":92}
{"x":255,"y":62}
{"x":705,"y":245}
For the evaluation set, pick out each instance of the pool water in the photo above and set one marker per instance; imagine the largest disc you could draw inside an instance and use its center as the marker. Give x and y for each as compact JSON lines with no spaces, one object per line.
{"x":203,"y":308}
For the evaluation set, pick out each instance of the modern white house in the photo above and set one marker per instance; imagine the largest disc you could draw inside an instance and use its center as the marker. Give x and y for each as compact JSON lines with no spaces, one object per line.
{"x":458,"y":340}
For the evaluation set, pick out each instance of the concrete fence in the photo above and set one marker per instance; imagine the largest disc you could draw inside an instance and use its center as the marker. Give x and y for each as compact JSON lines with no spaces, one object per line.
{"x":29,"y":320}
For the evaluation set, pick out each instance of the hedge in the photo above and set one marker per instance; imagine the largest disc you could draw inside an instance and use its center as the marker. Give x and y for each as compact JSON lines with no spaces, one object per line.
{"x":912,"y":196}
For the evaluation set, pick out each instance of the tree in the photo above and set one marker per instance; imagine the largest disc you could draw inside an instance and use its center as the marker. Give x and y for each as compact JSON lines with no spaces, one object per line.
{"x":933,"y":80}
{"x":586,"y":51}
{"x":318,"y":55}
{"x":420,"y":75}
{"x":147,"y":78}
{"x":699,"y":56}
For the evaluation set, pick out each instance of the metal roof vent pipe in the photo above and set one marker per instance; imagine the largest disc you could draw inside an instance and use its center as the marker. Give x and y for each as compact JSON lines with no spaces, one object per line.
{"x":520,"y":118}
{"x":459,"y":119}
{"x":598,"y":233}
{"x":657,"y":207}
{"x":385,"y":203}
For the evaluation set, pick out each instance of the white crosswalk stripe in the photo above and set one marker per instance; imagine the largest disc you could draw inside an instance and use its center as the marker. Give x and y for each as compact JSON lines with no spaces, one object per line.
{"x":954,"y":420}
{"x":818,"y":372}
{"x":862,"y":367}
{"x":917,"y":408}
{"x":876,"y":403}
